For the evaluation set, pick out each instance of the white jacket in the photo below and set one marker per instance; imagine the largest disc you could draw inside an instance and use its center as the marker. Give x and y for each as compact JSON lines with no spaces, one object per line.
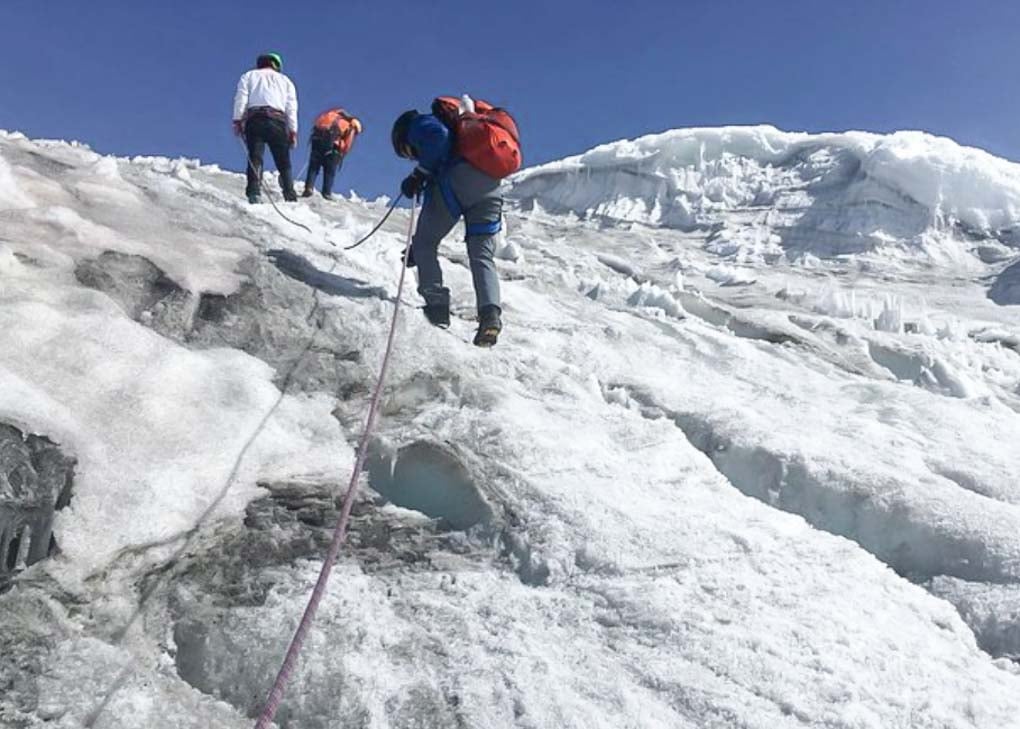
{"x":266,"y":87}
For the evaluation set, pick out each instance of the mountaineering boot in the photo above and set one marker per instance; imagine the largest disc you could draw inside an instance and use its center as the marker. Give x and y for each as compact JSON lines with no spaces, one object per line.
{"x":489,"y":326}
{"x":307,"y":192}
{"x":327,"y":196}
{"x":438,"y":315}
{"x":287,"y":185}
{"x":254,"y":199}
{"x":437,"y":306}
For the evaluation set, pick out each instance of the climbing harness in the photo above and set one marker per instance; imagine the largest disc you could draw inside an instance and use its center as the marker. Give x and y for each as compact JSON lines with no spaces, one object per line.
{"x":340,"y":531}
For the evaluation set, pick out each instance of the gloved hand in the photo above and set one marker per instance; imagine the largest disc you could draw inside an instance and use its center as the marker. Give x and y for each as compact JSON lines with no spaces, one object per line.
{"x":292,"y":138}
{"x":238,"y":127}
{"x":413,"y":184}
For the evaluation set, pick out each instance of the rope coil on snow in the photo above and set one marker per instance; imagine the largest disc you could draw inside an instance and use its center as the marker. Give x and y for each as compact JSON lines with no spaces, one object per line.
{"x":340,"y":531}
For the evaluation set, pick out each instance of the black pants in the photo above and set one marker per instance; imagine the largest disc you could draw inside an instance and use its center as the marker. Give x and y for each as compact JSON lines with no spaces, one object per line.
{"x":258,"y":132}
{"x":326,"y":156}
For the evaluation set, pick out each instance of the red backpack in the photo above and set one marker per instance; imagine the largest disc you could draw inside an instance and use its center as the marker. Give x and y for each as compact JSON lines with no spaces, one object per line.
{"x":335,"y":126}
{"x":487,"y":138}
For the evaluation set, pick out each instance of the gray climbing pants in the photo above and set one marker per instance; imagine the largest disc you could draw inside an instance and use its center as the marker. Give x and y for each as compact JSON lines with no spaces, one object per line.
{"x":466,"y":191}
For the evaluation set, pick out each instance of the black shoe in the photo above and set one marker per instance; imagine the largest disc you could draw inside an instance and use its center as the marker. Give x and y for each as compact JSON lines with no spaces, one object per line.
{"x":254,"y":199}
{"x":327,"y":197}
{"x":307,"y":192}
{"x":489,"y":326}
{"x":438,"y":315}
{"x":290,"y":196}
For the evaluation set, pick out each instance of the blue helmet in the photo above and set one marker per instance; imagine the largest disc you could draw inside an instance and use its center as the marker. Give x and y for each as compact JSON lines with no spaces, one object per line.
{"x":399,"y":134}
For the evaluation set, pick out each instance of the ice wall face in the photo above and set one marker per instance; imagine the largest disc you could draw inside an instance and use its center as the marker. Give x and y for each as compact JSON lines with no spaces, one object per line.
{"x":1006,"y":289}
{"x":35,"y":481}
{"x":764,"y":193}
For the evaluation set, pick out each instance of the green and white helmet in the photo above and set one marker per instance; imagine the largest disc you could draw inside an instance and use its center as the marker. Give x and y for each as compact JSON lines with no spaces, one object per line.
{"x":270,"y":59}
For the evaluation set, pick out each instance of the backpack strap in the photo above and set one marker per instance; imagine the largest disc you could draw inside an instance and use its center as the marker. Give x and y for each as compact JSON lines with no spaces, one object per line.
{"x":449,"y":197}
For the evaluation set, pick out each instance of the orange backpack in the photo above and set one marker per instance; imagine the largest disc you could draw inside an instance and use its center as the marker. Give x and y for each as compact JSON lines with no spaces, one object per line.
{"x":487,"y":137}
{"x":335,"y":125}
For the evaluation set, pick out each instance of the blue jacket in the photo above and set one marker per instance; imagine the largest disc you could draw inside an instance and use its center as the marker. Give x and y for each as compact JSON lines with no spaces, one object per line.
{"x":431,"y":141}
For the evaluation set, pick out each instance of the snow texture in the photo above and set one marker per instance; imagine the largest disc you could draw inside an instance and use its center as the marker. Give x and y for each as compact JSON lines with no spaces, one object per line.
{"x":699,"y":483}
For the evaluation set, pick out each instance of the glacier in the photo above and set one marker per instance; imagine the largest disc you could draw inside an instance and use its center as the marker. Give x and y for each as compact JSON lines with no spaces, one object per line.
{"x":744,"y":457}
{"x":764,"y":193}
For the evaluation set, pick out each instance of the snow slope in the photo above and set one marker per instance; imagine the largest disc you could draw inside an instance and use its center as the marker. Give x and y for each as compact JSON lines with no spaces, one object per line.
{"x":686,"y":490}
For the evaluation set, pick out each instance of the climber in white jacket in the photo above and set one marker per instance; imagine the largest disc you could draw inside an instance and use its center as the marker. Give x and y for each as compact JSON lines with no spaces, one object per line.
{"x":265,"y":112}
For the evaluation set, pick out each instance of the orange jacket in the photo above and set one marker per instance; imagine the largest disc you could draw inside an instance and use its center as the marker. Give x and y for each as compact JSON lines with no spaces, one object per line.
{"x":337,"y":123}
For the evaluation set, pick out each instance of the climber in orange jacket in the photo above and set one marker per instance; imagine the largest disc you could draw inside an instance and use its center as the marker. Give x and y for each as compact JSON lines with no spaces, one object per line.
{"x":332,"y":137}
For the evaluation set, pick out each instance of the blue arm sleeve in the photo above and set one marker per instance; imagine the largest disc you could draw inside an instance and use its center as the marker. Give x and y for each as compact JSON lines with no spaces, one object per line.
{"x":431,"y":140}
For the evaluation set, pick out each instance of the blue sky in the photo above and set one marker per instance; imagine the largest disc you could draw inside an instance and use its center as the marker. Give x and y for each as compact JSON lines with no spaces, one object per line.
{"x":147,"y":77}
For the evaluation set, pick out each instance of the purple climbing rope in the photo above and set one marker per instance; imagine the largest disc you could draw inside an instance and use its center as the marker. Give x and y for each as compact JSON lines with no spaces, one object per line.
{"x":340,"y":531}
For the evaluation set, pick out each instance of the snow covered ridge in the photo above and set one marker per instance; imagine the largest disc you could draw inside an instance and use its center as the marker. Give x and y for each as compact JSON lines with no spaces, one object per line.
{"x":769,"y":192}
